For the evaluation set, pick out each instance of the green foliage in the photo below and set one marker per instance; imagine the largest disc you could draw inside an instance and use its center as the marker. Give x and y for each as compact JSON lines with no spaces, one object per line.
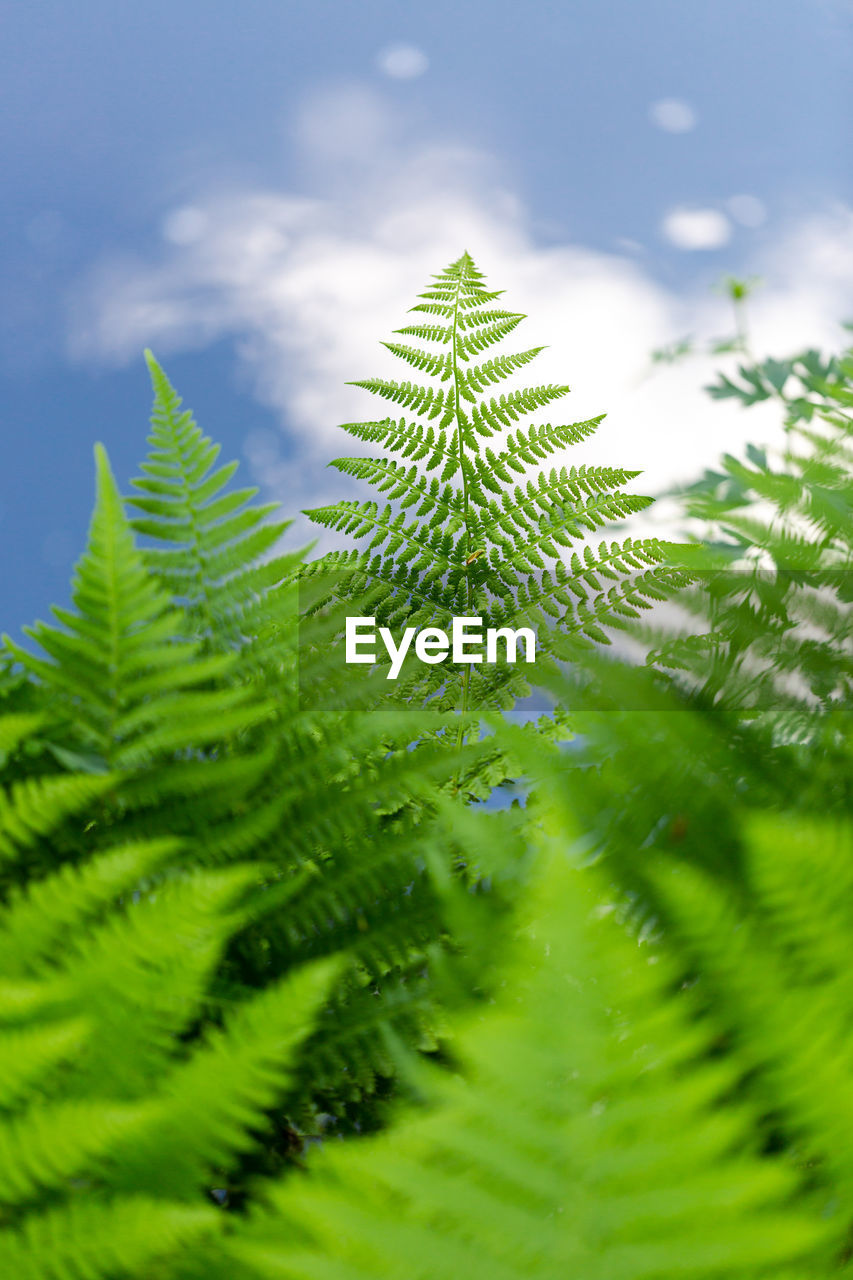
{"x":111,"y":1124}
{"x":776,"y":593}
{"x":244,"y":905}
{"x":777,"y":972}
{"x":187,"y":694}
{"x":755,"y":711}
{"x":319,"y":784}
{"x":119,"y":669}
{"x":594,"y":1133}
{"x":458,"y":532}
{"x":214,"y":561}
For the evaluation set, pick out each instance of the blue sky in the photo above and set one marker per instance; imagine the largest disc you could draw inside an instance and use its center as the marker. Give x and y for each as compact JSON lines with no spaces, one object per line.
{"x":256,"y":190}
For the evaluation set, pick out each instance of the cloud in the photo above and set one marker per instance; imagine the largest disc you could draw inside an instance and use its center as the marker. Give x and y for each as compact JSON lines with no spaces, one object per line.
{"x":696,"y":228}
{"x":749,"y":211}
{"x":673,"y":115}
{"x":184,"y":225}
{"x":344,"y":127}
{"x":402,"y":61}
{"x":307,"y":287}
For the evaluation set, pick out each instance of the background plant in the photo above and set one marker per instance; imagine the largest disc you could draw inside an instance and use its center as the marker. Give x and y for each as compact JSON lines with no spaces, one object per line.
{"x":759,"y":658}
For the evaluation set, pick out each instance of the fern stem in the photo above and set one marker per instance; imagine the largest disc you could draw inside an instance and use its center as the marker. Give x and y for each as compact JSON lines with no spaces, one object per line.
{"x":460,"y":441}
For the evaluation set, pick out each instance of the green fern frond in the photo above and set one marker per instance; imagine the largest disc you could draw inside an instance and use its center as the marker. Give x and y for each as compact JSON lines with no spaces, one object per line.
{"x":437,"y":446}
{"x":133,"y":1237}
{"x":214,"y":538}
{"x":130,"y":696}
{"x":112,"y":1118}
{"x":788,"y":1015}
{"x":120,"y":663}
{"x":457,"y":534}
{"x":477,"y":336}
{"x":440,"y":366}
{"x":474,"y":379}
{"x":15,"y":729}
{"x":166,"y":951}
{"x":428,"y":332}
{"x":31,"y":1056}
{"x":426,"y":401}
{"x":243,"y":766}
{"x":36,"y":925}
{"x":627,"y":1159}
{"x":774,"y":593}
{"x":210,"y":1108}
{"x":34,"y":807}
{"x":404,"y":483}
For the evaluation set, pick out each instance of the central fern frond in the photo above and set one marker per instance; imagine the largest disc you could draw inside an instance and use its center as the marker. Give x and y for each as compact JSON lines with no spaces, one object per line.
{"x":465,"y":529}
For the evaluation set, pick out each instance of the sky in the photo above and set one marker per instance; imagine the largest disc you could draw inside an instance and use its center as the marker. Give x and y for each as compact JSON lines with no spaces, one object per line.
{"x":258,"y":190}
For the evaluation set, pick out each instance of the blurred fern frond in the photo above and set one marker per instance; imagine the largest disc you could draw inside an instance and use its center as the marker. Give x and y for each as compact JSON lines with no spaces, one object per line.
{"x":111,"y":1119}
{"x":592,"y":1132}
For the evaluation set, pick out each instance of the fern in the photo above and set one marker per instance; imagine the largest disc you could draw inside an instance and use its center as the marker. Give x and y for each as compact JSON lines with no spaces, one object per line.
{"x":220,"y":718}
{"x":458,"y":533}
{"x":593,"y":1134}
{"x":126,"y":692}
{"x":109,"y":1121}
{"x":214,"y":536}
{"x":756,"y":710}
{"x":236,"y":905}
{"x":336,"y":795}
{"x":776,"y":592}
{"x":117,"y":668}
{"x":789,"y":1013}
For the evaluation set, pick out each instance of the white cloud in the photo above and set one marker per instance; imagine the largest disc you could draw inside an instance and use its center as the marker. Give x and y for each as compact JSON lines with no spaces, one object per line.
{"x":402,"y":61}
{"x":749,"y":211}
{"x":346,"y":125}
{"x":696,"y":228}
{"x":308,"y":288}
{"x":673,"y":115}
{"x":184,"y":225}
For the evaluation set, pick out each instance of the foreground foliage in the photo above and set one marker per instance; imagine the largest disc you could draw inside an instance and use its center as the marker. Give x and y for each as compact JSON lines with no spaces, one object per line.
{"x":248,"y":909}
{"x":217,"y":715}
{"x":112,"y":1128}
{"x":594,"y":1132}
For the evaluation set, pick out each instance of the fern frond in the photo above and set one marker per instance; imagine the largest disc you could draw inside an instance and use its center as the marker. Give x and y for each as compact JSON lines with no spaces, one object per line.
{"x":34,"y":807}
{"x":538,"y":442}
{"x":627,"y":1159}
{"x":789,"y":1016}
{"x":121,"y":661}
{"x":776,"y":599}
{"x":36,"y":924}
{"x":440,"y":366}
{"x":211,"y":1107}
{"x":15,"y":729}
{"x":474,"y":379}
{"x":30,"y":1056}
{"x":112,"y":1118}
{"x":425,"y":401}
{"x":457,"y":534}
{"x":427,"y":332}
{"x":405,"y":483}
{"x":100,"y":1239}
{"x":411,"y":440}
{"x":215,"y":538}
{"x":476,"y":336}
